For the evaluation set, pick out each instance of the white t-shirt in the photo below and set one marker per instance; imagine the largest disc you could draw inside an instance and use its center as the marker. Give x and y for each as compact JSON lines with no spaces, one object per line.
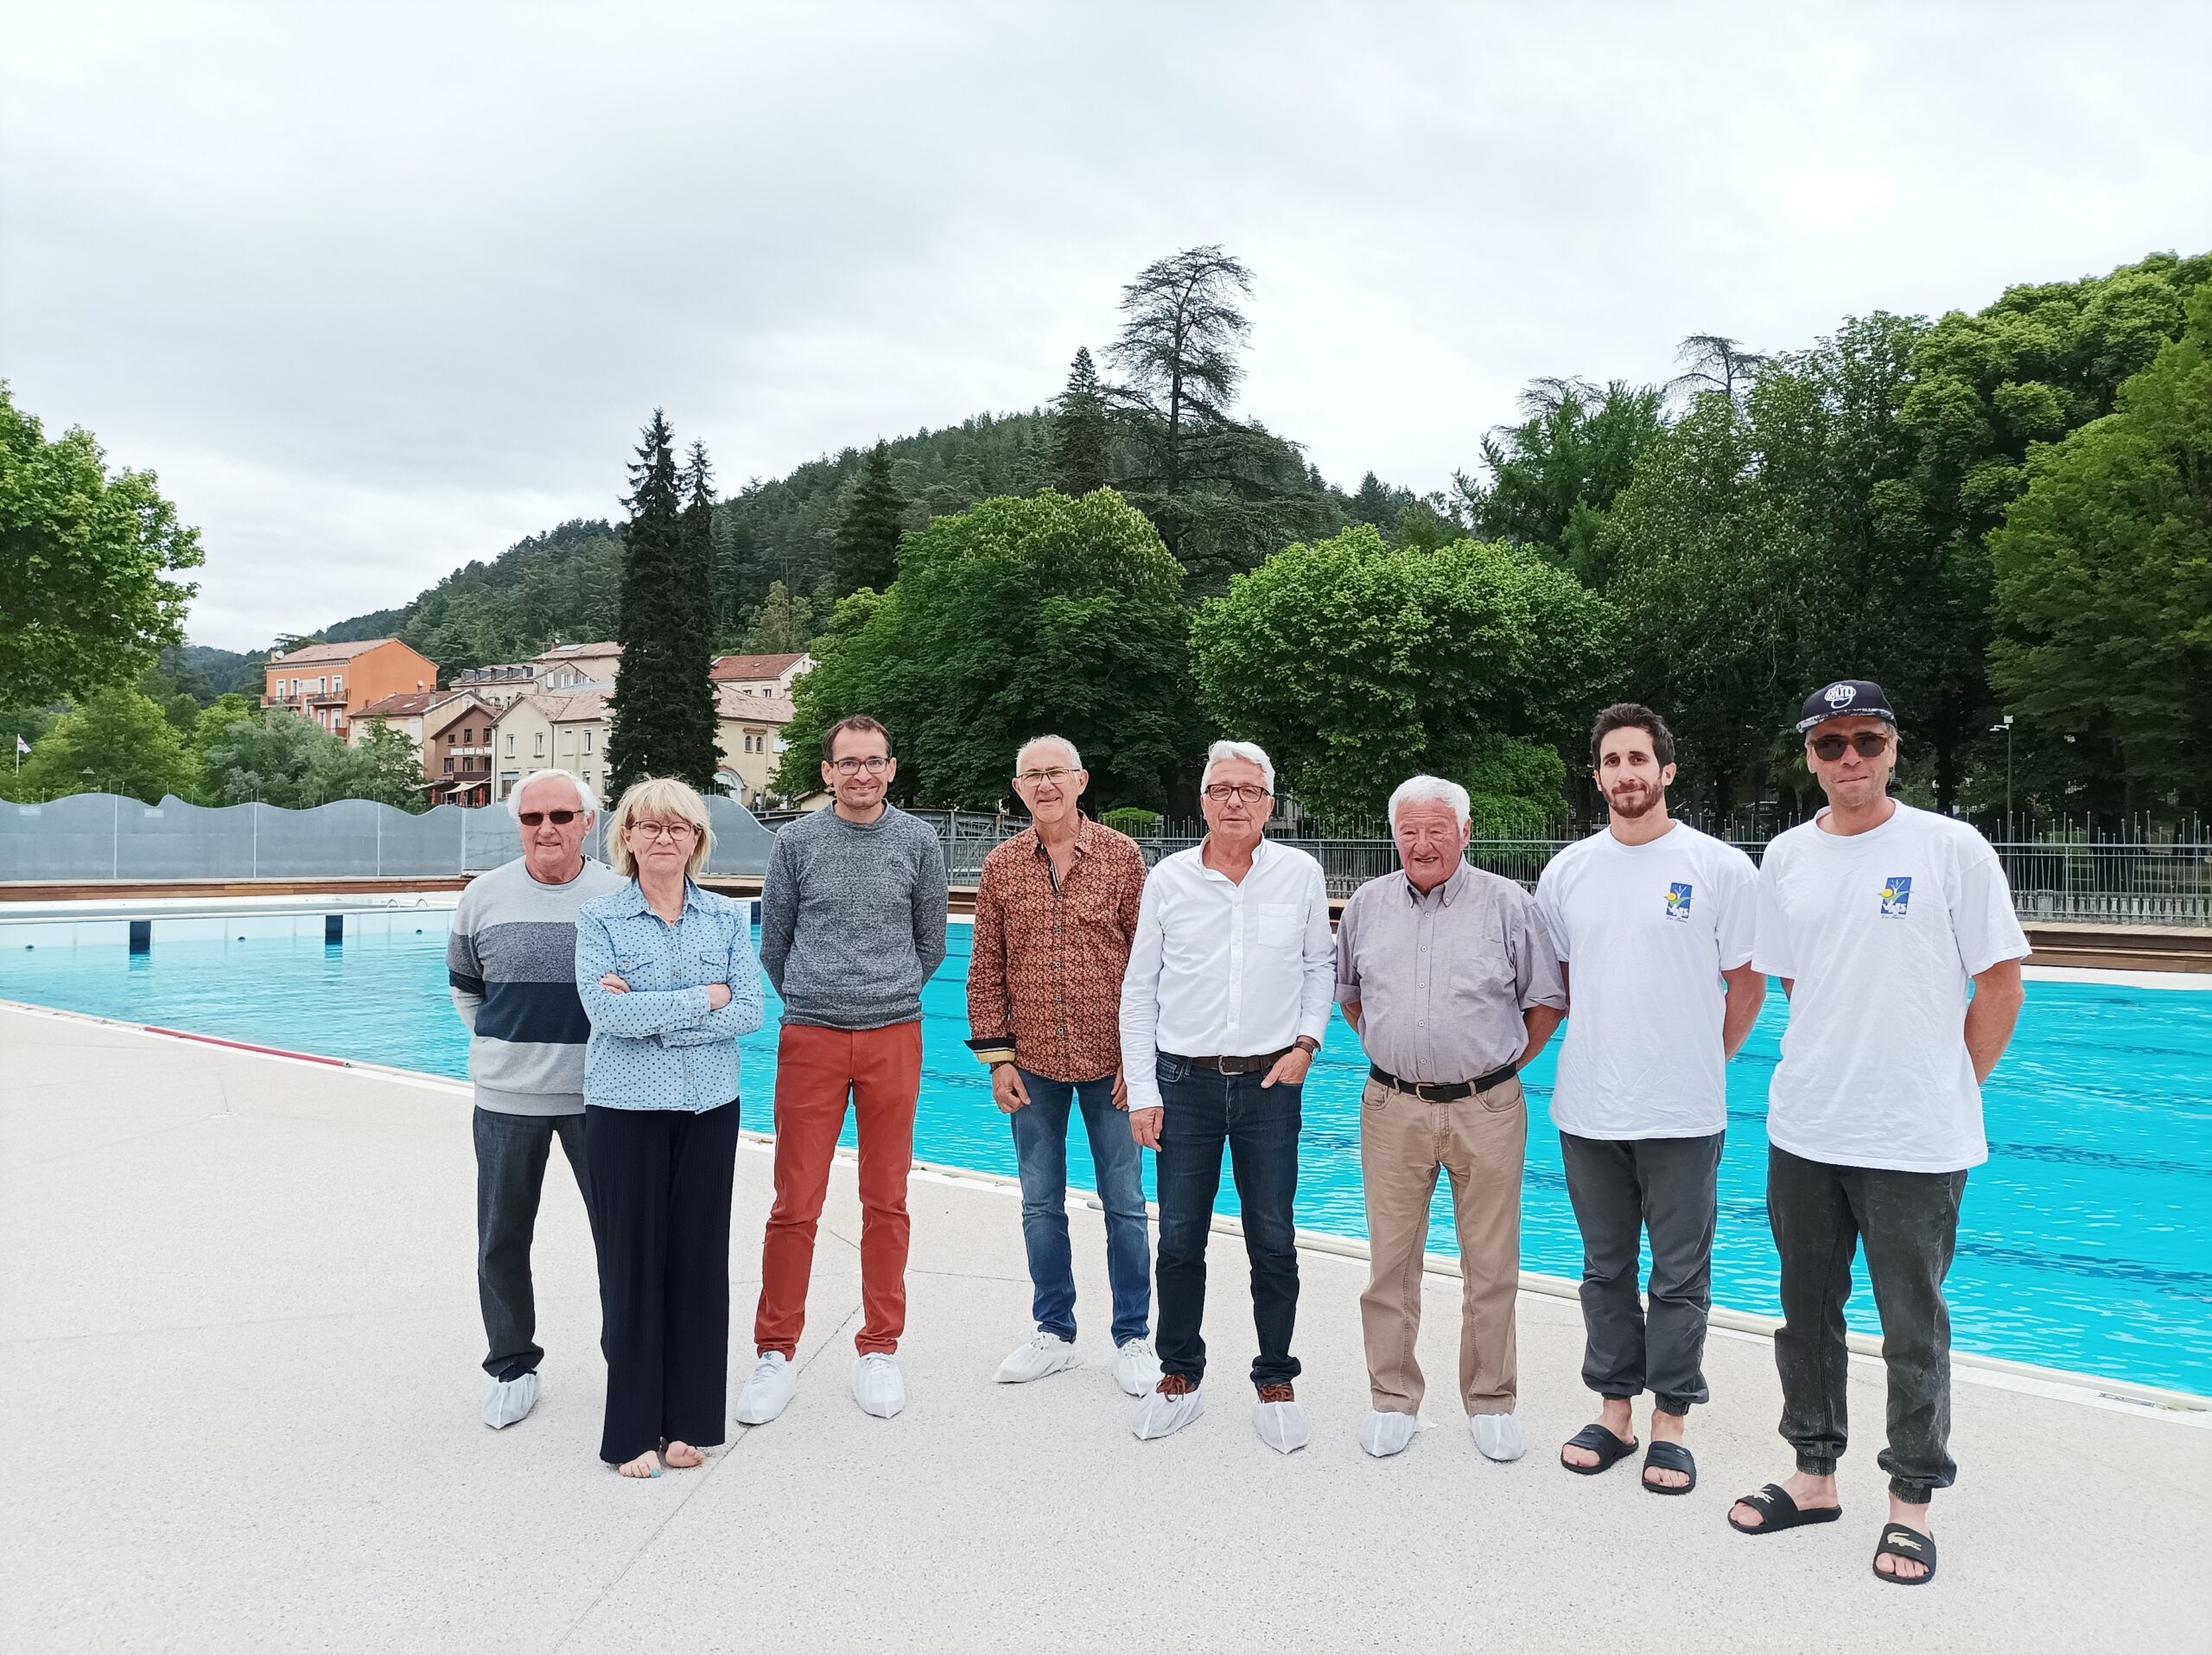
{"x":1882,"y":933}
{"x":1645,"y":931}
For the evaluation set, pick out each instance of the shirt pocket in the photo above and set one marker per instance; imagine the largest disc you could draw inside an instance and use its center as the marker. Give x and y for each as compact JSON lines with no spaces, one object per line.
{"x":1274,"y":925}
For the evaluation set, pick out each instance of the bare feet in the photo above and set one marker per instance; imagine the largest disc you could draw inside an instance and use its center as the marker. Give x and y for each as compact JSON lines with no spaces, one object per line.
{"x":1614,"y":1417}
{"x":1915,"y":1518}
{"x":645,"y":1465}
{"x":1666,"y":1428}
{"x":680,"y":1456}
{"x":1811,"y":1493}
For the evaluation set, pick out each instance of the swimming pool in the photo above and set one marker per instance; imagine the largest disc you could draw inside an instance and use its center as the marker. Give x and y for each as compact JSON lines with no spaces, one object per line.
{"x":2086,"y":1243}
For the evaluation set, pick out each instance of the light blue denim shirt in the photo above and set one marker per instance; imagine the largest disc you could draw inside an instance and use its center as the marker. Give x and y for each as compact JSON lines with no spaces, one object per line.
{"x":660,"y":1047}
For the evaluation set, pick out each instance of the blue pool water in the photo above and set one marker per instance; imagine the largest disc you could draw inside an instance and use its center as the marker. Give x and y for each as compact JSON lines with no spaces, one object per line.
{"x":2086,"y":1242}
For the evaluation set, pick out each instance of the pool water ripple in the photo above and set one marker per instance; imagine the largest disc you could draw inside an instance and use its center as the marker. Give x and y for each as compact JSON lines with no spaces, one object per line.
{"x":2085,"y":1243}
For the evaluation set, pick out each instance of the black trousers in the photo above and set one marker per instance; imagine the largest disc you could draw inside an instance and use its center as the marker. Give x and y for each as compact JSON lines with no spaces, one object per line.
{"x":510,"y":1155}
{"x":1909,"y":1223}
{"x":1620,"y":1188}
{"x":660,"y":1186}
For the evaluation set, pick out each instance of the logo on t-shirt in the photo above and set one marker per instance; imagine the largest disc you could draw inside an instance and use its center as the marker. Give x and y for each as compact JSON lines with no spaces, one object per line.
{"x":1678,"y":901}
{"x":1897,"y":895}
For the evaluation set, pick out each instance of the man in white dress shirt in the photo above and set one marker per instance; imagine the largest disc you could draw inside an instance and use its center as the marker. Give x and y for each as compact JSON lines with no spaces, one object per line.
{"x":1226,"y":999}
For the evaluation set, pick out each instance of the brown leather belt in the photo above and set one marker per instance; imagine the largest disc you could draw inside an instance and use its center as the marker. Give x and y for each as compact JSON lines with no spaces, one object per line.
{"x":1259,"y":1065}
{"x":1443,"y":1092}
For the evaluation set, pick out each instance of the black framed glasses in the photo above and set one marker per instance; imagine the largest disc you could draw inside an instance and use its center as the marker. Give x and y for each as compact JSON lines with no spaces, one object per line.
{"x":1248,"y":792}
{"x":1057,"y":773}
{"x":1871,"y":744}
{"x":874,"y":764}
{"x":559,"y":818}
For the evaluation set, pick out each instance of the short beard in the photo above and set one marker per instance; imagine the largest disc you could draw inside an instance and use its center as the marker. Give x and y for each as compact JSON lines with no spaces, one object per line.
{"x":1651,"y":798}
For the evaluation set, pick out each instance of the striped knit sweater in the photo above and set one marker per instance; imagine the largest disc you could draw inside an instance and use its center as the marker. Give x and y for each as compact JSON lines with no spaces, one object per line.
{"x":510,"y":960}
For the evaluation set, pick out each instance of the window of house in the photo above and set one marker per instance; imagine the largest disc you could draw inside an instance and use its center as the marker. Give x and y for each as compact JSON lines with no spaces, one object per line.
{"x":448,"y":764}
{"x":586,"y":743}
{"x":338,"y":685}
{"x":539,"y":748}
{"x":510,"y":744}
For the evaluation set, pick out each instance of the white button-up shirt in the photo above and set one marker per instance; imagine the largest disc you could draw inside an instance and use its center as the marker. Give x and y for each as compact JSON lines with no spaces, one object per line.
{"x":1225,"y":969}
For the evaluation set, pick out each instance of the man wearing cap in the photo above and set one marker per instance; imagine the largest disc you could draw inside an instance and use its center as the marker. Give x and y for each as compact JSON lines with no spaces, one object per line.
{"x":1893,"y":933}
{"x":1445,"y":973}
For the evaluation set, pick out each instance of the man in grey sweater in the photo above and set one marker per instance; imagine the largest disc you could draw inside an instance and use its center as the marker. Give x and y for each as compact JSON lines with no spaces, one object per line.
{"x":852,"y":925}
{"x":510,"y":960}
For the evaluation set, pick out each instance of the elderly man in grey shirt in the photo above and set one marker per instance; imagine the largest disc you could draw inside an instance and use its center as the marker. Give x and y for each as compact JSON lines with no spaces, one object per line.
{"x":1445,"y":973}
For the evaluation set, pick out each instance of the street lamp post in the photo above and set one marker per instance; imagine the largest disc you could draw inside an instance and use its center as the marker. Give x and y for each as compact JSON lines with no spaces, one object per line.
{"x":2007,"y":728}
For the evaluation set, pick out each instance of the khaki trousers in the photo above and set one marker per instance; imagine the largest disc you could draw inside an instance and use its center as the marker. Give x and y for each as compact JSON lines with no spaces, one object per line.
{"x":1479,"y":1140}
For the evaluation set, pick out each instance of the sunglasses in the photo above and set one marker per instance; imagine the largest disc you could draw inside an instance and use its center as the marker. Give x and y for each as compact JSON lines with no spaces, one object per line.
{"x":559,"y":818}
{"x":1871,"y":744}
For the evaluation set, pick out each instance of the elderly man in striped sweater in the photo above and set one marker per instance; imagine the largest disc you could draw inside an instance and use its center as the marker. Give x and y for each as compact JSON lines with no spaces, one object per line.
{"x":510,"y":960}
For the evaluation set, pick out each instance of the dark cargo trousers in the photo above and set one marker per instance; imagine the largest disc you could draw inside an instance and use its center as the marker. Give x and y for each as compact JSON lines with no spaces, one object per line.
{"x":1620,"y":1188}
{"x":1909,"y":1223}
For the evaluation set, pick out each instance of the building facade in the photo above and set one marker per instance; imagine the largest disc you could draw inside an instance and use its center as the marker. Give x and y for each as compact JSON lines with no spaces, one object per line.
{"x":749,"y":735}
{"x":328,"y":683}
{"x":760,"y":675}
{"x":551,"y":732}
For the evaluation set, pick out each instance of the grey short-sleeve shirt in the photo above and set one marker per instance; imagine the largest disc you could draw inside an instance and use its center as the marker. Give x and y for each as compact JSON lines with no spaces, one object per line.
{"x":1441,"y":980}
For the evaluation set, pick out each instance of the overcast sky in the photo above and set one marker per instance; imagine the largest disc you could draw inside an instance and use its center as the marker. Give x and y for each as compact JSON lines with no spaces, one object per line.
{"x":379,"y":289}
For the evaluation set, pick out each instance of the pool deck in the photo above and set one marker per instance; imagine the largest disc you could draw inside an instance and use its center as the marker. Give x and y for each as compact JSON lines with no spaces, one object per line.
{"x":238,"y":1346}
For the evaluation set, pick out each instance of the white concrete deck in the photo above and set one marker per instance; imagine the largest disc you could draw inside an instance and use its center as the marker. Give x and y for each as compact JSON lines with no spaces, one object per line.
{"x":239,"y":1349}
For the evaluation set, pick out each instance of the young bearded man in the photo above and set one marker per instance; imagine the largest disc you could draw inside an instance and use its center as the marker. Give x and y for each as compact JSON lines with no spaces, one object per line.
{"x":1653,"y":922}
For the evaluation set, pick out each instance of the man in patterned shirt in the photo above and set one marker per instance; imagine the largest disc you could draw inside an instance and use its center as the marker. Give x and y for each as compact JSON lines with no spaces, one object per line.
{"x":1055,"y":911}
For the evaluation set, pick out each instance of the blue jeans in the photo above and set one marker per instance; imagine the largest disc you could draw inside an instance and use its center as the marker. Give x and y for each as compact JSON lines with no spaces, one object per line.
{"x":1040,"y":1148}
{"x":1204,"y":1112}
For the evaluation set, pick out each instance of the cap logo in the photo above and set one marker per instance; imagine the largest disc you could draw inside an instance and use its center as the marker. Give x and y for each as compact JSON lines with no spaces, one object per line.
{"x":1839,"y":694}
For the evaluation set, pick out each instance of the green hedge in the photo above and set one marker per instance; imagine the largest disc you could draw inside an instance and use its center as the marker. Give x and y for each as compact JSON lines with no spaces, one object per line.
{"x":1132,"y":820}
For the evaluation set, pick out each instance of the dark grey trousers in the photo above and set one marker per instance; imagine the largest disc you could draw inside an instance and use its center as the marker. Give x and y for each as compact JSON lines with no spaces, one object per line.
{"x":1620,"y":1189}
{"x":511,"y":1154}
{"x":1909,"y":1223}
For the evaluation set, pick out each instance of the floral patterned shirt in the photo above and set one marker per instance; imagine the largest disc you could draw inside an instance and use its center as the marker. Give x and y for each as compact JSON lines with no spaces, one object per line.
{"x":1045,"y":977}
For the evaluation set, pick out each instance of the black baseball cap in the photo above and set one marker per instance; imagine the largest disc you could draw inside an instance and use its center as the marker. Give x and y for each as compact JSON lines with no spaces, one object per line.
{"x":1845,"y":698}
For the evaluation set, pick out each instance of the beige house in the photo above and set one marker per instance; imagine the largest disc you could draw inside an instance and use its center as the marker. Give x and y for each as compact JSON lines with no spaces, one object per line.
{"x":749,"y":732}
{"x":551,"y":732}
{"x":578,"y":667}
{"x":452,"y":733}
{"x":760,"y":675}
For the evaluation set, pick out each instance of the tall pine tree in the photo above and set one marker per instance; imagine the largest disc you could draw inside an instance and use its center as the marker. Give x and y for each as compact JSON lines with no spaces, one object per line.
{"x":867,"y":539}
{"x":663,"y":706}
{"x":1080,"y":431}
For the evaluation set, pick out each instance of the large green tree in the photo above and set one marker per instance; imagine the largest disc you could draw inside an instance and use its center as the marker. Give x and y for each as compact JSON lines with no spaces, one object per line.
{"x":663,"y":706}
{"x":867,"y":535}
{"x":1357,"y":665}
{"x":1080,"y":431}
{"x":277,"y":757}
{"x":85,"y":560}
{"x":1010,"y":619}
{"x":2103,"y":571}
{"x":1550,"y":480}
{"x":118,"y":741}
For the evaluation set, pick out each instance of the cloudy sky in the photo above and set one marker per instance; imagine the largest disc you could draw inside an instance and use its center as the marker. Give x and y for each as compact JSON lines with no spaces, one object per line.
{"x":380,"y":289}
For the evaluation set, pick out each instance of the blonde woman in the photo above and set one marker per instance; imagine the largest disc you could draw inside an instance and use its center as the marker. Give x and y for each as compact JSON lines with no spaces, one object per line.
{"x":670,"y":981}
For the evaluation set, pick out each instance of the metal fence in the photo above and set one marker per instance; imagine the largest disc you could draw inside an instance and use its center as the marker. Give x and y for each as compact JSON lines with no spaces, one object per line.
{"x":2132,"y":881}
{"x":87,"y":837}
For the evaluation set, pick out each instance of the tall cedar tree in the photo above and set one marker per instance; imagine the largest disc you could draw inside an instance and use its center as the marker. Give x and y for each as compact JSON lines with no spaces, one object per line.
{"x":1080,"y":431}
{"x":868,"y":540}
{"x":1177,"y":346}
{"x":663,"y":705}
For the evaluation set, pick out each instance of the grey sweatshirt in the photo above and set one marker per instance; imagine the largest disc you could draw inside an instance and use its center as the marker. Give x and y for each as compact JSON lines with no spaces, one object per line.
{"x":510,"y":960}
{"x":852,"y":919}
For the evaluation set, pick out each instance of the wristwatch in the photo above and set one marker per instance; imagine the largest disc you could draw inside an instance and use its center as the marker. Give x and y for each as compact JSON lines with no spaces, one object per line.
{"x":1306,"y":1044}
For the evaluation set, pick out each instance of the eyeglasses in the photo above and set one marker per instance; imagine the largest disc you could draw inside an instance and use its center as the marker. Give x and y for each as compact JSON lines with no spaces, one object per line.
{"x":1059,"y":772}
{"x":674,"y":832}
{"x":559,"y":818}
{"x":1871,"y":744}
{"x":875,"y":765}
{"x":1250,"y":793}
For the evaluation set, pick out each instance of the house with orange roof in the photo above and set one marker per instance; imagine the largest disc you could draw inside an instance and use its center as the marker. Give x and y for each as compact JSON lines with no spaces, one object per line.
{"x":452,"y":733}
{"x":329,"y":683}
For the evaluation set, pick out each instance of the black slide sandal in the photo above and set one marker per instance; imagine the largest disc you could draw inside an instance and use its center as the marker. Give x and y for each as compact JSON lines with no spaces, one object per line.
{"x":1668,"y":1456}
{"x":1899,"y":1541}
{"x":1781,"y":1511}
{"x":1609,"y":1449}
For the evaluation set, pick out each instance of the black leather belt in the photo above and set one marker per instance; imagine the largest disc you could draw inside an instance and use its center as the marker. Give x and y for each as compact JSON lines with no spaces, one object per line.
{"x":1259,"y":1065}
{"x":1444,"y":1092}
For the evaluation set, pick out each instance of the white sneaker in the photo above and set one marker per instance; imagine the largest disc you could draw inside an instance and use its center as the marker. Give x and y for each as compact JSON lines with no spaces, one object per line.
{"x":1045,"y":1353}
{"x":506,"y":1400}
{"x":1282,"y":1425}
{"x":1136,"y":1370}
{"x":878,"y":1386}
{"x":1499,"y":1436}
{"x":1162,"y":1413}
{"x":768,"y":1392}
{"x":1386,"y":1433}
